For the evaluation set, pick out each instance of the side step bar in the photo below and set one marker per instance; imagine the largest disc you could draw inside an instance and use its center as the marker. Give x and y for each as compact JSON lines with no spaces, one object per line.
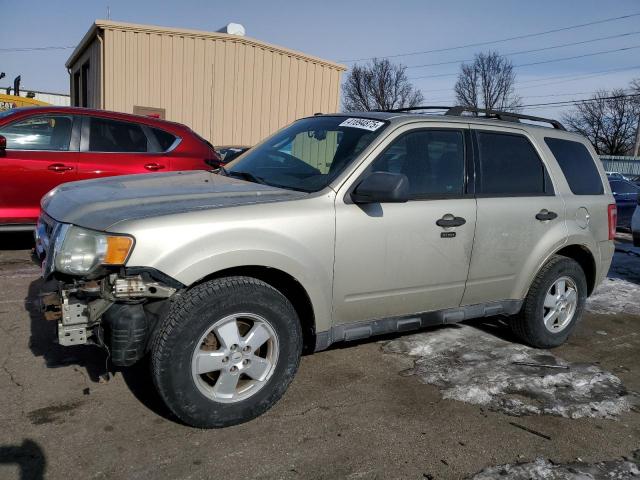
{"x":360,"y":330}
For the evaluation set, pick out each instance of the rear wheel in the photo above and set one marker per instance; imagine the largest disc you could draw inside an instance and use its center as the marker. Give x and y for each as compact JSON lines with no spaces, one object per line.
{"x":554,"y":304}
{"x":226,"y":352}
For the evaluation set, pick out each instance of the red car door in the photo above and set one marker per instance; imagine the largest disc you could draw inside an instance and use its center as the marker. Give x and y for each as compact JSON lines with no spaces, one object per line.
{"x":39,"y":156}
{"x":115,"y":147}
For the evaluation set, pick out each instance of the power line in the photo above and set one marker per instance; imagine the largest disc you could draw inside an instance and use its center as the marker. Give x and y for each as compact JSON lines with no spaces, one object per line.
{"x":532,"y":50}
{"x":480,"y":44}
{"x":568,"y":78}
{"x":537,"y":63}
{"x":449,"y":100}
{"x":584,"y":100}
{"x":33,"y":49}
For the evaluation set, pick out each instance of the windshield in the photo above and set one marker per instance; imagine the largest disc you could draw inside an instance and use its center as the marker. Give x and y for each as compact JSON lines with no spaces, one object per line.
{"x":308,"y":154}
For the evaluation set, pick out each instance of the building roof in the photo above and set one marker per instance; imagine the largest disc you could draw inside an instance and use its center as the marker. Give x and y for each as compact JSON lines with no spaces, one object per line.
{"x":111,"y":25}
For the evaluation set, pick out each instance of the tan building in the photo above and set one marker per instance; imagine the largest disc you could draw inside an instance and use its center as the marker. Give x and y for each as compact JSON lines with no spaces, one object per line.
{"x":231,"y":89}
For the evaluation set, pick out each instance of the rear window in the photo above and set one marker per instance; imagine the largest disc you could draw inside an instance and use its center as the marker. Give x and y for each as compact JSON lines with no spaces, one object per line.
{"x":510,"y":166}
{"x":165,"y":139}
{"x":577,"y":166}
{"x":107,"y":135}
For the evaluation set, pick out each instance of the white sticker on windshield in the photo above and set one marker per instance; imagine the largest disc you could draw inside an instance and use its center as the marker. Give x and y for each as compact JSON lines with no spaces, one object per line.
{"x":364,"y":123}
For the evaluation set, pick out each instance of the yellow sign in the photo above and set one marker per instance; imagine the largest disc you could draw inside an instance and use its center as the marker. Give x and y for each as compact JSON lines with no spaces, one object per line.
{"x":13,"y":101}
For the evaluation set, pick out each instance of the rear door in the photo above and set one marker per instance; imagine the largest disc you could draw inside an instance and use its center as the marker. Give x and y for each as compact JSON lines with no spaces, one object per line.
{"x":41,"y":154}
{"x":114,"y":147}
{"x":519,"y":214}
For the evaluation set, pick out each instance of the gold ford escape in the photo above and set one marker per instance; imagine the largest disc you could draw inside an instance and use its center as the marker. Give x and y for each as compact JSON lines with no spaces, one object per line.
{"x":336,"y":228}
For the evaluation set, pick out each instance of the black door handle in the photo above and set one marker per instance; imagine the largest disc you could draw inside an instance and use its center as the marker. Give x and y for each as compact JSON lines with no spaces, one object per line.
{"x":545,"y":214}
{"x":450,"y":221}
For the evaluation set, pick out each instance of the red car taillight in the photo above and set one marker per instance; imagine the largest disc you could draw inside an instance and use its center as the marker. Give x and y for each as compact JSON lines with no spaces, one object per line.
{"x":613,"y":220}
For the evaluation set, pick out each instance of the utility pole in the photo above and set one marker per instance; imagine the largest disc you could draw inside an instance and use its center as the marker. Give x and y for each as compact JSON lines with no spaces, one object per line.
{"x":636,"y":149}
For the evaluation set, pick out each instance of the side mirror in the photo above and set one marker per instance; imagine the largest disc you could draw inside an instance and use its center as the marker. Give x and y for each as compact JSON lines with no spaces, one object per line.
{"x":3,"y":146}
{"x":382,"y":187}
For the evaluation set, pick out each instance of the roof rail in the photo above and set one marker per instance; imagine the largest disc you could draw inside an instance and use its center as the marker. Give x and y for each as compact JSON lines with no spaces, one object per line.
{"x":459,"y":110}
{"x":506,"y":116}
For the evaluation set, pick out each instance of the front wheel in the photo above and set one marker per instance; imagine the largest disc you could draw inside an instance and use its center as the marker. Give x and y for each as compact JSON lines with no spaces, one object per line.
{"x":226,"y":352}
{"x":554,"y":304}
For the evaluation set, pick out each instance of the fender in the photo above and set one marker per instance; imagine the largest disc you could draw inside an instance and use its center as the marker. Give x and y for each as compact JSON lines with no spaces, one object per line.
{"x":189,"y":250}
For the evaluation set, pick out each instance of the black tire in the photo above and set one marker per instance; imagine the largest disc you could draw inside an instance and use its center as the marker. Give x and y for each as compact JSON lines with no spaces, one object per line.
{"x":189,"y":317}
{"x":528,"y":324}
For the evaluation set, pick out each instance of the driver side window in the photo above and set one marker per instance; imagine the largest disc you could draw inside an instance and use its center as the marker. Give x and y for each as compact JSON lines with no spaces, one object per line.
{"x":45,"y":132}
{"x":432,"y":160}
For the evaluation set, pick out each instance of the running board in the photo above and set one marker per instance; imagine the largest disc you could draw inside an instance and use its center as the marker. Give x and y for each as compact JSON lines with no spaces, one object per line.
{"x":360,"y":330}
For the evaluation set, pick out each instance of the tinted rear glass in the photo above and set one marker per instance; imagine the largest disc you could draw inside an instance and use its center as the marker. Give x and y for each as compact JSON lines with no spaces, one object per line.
{"x":620,"y":186}
{"x":577,"y":165}
{"x":510,"y":166}
{"x":114,"y":136}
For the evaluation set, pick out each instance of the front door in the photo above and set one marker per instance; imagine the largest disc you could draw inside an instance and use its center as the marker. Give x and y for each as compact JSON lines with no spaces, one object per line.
{"x":392,"y":259}
{"x":39,"y":156}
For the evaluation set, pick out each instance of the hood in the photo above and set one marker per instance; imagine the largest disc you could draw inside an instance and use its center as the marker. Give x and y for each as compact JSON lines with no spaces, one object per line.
{"x":101,"y":203}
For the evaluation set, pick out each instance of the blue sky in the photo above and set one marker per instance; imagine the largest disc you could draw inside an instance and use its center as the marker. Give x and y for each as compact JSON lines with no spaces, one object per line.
{"x":345,"y":30}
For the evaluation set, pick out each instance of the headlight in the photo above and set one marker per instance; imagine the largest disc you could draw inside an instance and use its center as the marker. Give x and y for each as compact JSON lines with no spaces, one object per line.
{"x":81,"y":250}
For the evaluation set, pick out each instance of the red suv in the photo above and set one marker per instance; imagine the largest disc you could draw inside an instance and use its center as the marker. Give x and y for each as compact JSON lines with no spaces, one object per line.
{"x":42,"y":147}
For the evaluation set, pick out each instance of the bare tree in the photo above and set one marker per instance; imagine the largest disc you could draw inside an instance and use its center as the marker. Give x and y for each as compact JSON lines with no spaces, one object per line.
{"x":379,"y":85}
{"x":488,"y":82}
{"x":635,"y":90}
{"x":609,"y":120}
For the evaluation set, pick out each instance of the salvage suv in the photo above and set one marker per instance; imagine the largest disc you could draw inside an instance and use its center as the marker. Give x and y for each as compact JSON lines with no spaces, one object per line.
{"x":336,"y":228}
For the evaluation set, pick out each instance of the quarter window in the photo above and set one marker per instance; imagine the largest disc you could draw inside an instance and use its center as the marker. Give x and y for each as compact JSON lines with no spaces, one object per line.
{"x":577,"y":166}
{"x":510,"y":166}
{"x":432,"y":160}
{"x":47,"y":132}
{"x":114,"y":136}
{"x":165,"y":139}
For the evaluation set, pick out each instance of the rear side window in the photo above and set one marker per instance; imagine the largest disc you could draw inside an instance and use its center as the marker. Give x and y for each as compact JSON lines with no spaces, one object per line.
{"x":165,"y":139}
{"x":510,"y":166}
{"x":114,"y":136}
{"x":577,"y":166}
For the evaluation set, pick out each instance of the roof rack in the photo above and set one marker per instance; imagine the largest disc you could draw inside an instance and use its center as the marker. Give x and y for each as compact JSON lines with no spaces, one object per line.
{"x":459,"y":110}
{"x":506,"y":116}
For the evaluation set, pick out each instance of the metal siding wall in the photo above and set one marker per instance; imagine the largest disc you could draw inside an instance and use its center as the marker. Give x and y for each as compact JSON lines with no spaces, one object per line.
{"x":624,"y":165}
{"x":229,"y":91}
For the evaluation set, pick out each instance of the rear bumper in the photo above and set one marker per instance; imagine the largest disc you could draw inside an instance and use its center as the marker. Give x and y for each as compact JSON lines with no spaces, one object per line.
{"x":607,"y":249}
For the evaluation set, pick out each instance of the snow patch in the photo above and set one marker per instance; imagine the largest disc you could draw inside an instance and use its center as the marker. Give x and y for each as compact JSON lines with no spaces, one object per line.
{"x":613,"y":296}
{"x":473,"y":366}
{"x":542,"y":469}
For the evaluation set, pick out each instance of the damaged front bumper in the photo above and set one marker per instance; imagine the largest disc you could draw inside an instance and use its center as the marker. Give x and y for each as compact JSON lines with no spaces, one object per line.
{"x":118,"y":312}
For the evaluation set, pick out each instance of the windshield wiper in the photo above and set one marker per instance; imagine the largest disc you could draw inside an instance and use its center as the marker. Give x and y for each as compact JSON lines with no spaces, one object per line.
{"x":244,"y":175}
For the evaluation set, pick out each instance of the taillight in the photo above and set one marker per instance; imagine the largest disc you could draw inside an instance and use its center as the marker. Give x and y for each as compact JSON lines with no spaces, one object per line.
{"x":613,"y":220}
{"x":215,"y":161}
